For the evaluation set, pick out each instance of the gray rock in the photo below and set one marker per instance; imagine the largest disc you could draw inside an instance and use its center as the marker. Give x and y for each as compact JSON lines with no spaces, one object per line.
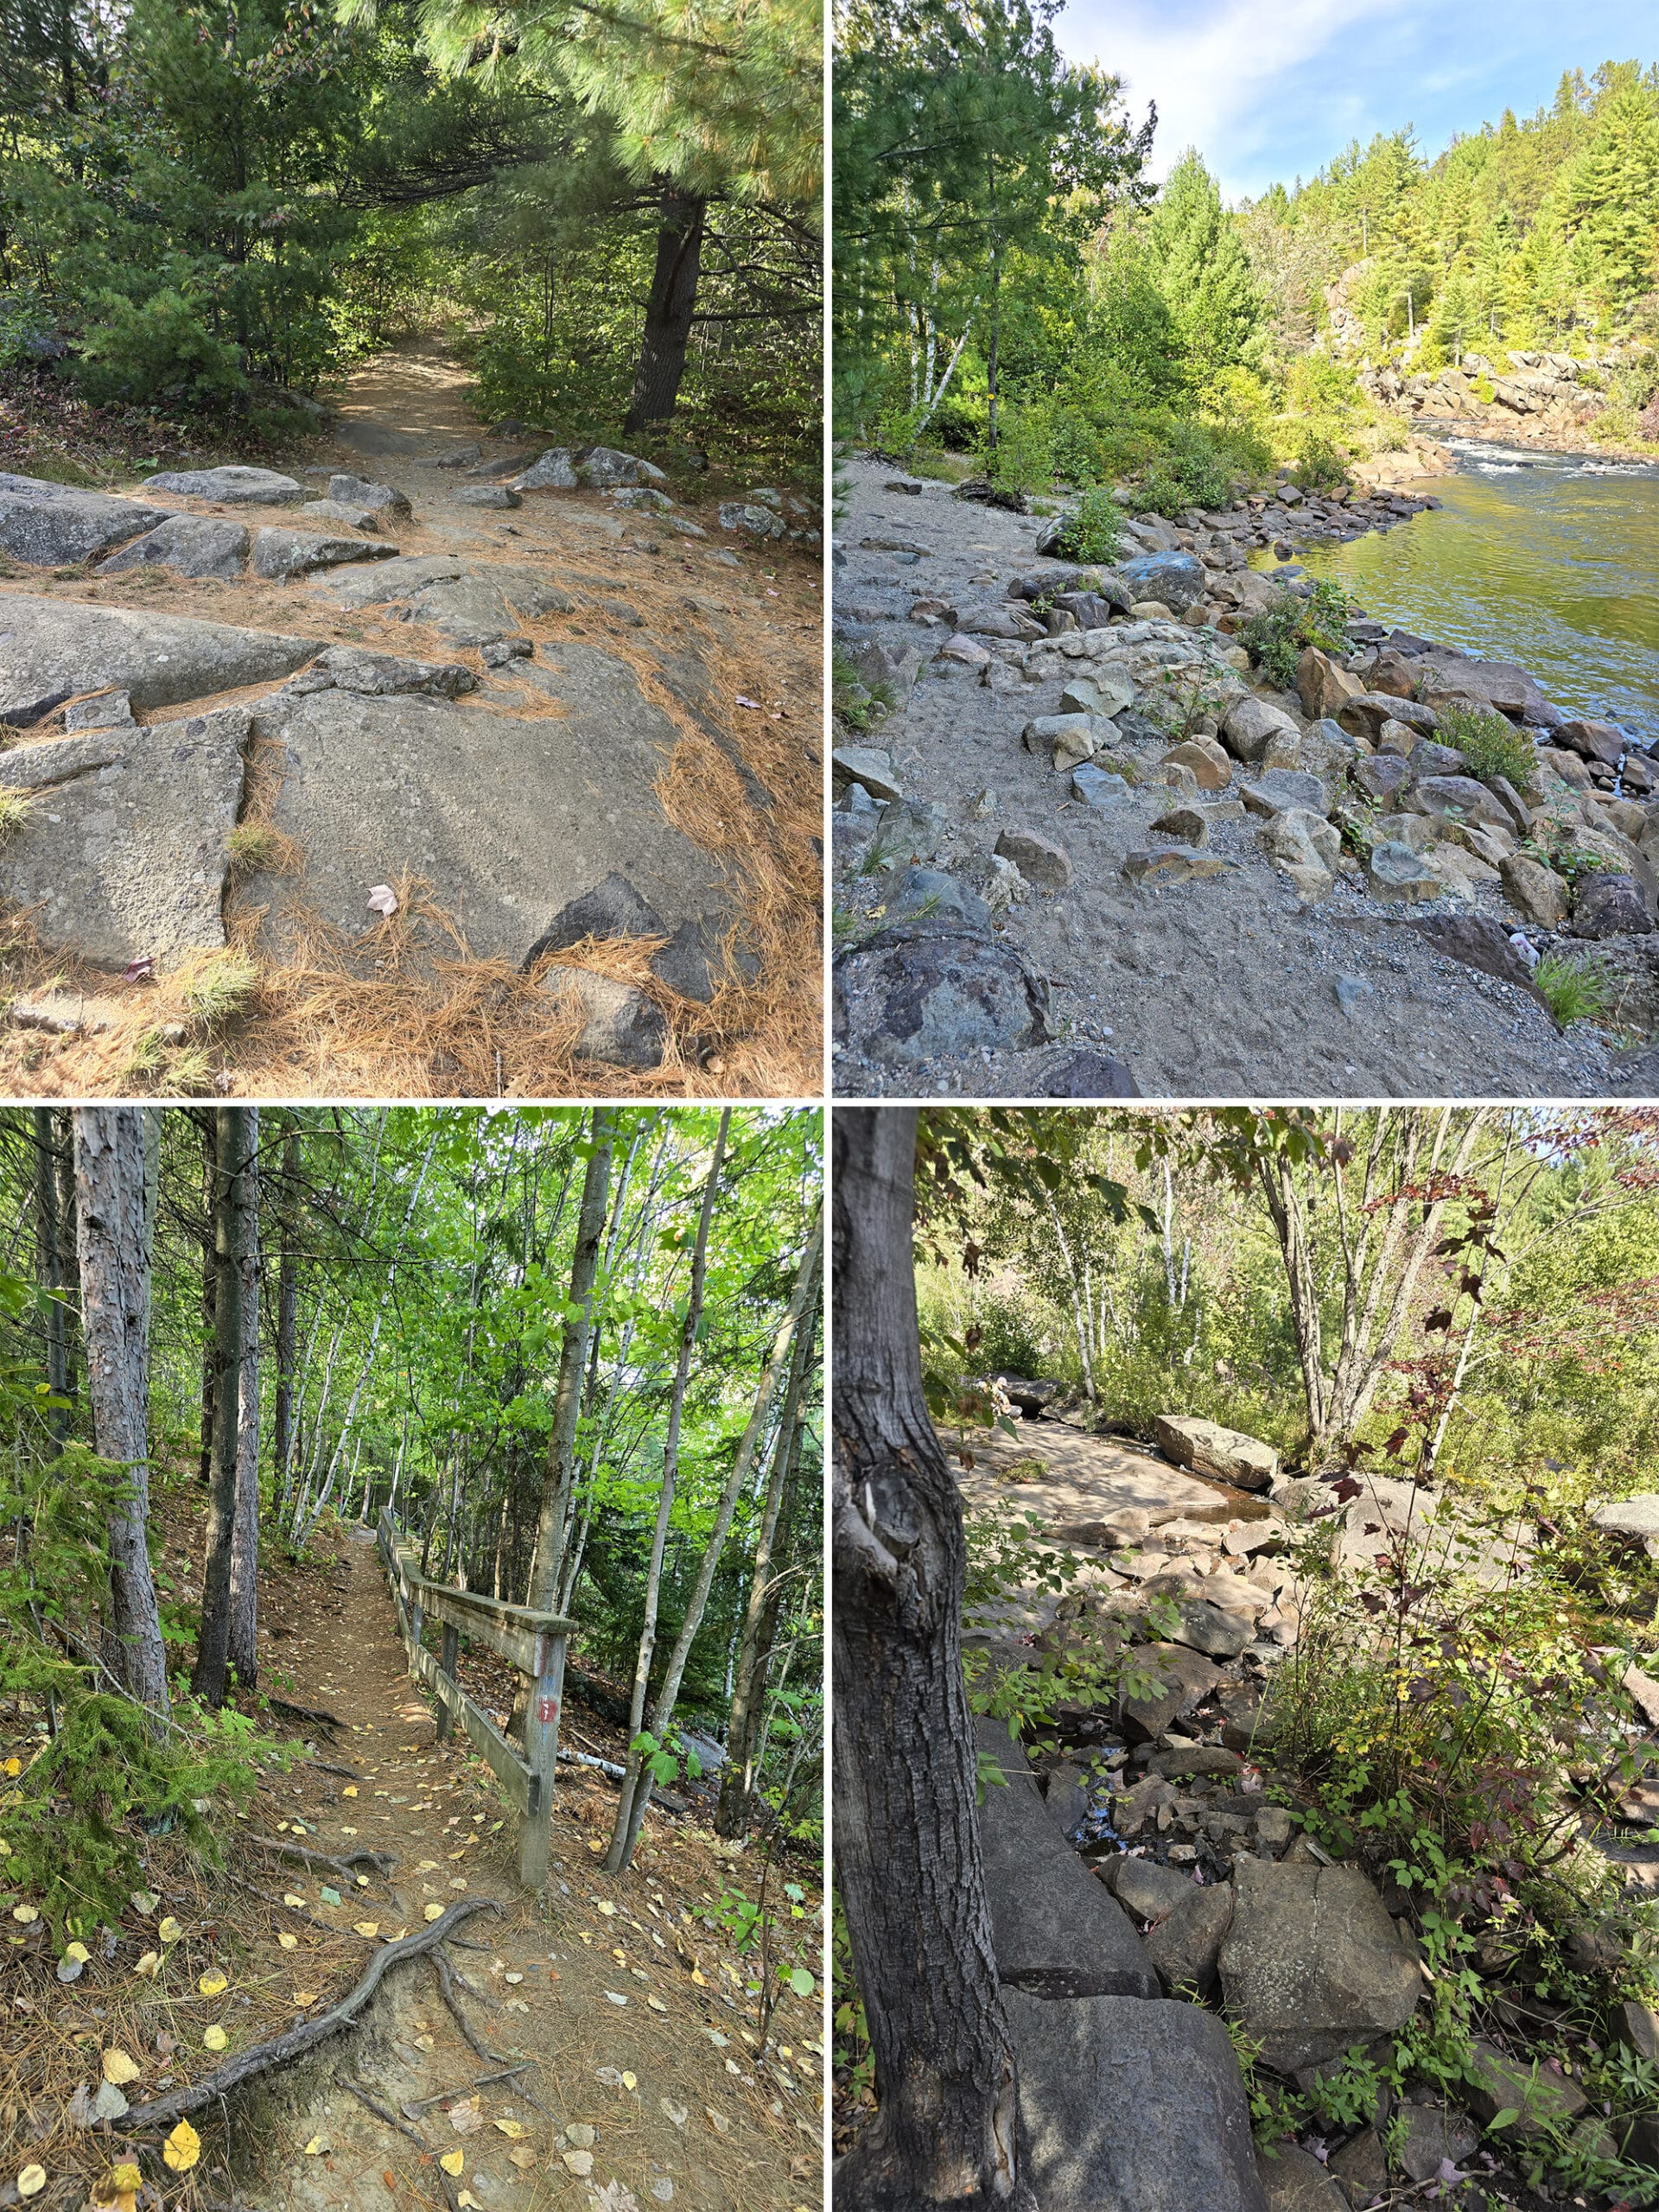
{"x":1177,"y":579}
{"x":126,"y":848}
{"x":458,"y":457}
{"x":1186,"y":1680}
{"x":1039,"y":860}
{"x":1105,"y":693}
{"x":1384,"y":777}
{"x":1186,"y":1942}
{"x":1353,"y":991}
{"x":1054,"y":1930}
{"x":469,"y":602}
{"x":232,"y":487}
{"x":1277,"y":791}
{"x":1431,"y":2134}
{"x":868,"y":766}
{"x":1294,"y":2180}
{"x":280,"y":554}
{"x":1204,"y":1628}
{"x":1478,"y":942}
{"x":611,"y":908}
{"x":1143,"y":1887}
{"x":640,"y":499}
{"x":1084,"y":2064}
{"x":161,"y":660}
{"x":1066,"y":1796}
{"x":508,"y":817}
{"x":355,"y":668}
{"x":1628,"y":1516}
{"x":1188,"y":825}
{"x":605,"y":465}
{"x":1605,"y":904}
{"x":194,"y":545}
{"x":362,"y":492}
{"x":1098,"y":787}
{"x":932,"y":891}
{"x":318,"y":512}
{"x":487,"y":495}
{"x":109,"y":710}
{"x":620,"y":1025}
{"x":1085,"y":1074}
{"x":53,"y":524}
{"x":758,"y":522}
{"x":1539,"y":2098}
{"x":1537,"y":893}
{"x":1460,"y":797}
{"x":1250,"y":722}
{"x":926,"y":990}
{"x":1225,"y":1454}
{"x":1394,"y":872}
{"x":553,"y":473}
{"x":1312,"y":1963}
{"x":699,"y":959}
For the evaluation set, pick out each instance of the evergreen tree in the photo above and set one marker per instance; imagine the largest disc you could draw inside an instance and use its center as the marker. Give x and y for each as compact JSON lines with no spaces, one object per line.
{"x":1610,"y":199}
{"x":1203,"y":271}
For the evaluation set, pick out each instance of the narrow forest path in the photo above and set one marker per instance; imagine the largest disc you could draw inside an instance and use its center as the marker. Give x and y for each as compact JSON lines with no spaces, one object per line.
{"x":572,"y":720}
{"x":642,"y":2061}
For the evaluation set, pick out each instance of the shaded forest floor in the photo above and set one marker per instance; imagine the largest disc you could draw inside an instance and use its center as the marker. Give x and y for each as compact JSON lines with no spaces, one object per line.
{"x":645,"y":2084}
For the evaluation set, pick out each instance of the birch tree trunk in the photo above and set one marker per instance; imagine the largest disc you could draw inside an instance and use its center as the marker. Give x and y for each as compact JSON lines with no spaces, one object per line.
{"x":554,"y":1517}
{"x":114,"y":1257}
{"x":230,"y":1218}
{"x":616,"y":1855}
{"x":245,"y":1534}
{"x":636,"y":1793}
{"x":907,"y":1859}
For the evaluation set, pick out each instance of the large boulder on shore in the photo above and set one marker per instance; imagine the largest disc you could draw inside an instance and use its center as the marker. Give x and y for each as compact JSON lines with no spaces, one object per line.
{"x":52,"y":524}
{"x":934,"y":987}
{"x":1312,"y":1963}
{"x":1054,"y":1929}
{"x":1177,"y":579}
{"x":1086,"y":2065}
{"x":1226,"y":1454}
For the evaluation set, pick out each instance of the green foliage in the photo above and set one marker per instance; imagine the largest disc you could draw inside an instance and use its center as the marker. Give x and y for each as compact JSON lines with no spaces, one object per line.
{"x":1490,"y":745}
{"x":860,"y":706}
{"x":1092,"y":532}
{"x":667,"y":1760}
{"x":1275,"y":640}
{"x":1574,"y":990}
{"x":1194,"y":470}
{"x":1022,"y":458}
{"x":1203,"y":273}
{"x":156,"y":352}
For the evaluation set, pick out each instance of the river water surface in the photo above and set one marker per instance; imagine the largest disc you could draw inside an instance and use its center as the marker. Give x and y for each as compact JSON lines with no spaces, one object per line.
{"x":1544,"y":559}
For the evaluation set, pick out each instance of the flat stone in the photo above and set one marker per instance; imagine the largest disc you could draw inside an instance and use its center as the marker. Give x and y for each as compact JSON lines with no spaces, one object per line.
{"x":1312,"y":1963}
{"x":1292,"y":2180}
{"x":605,"y":465}
{"x":1143,"y":1886}
{"x":1186,"y":1944}
{"x":1204,"y":1628}
{"x":280,"y":554}
{"x":356,"y":668}
{"x":1225,"y":1454}
{"x":1038,"y":859}
{"x":1085,"y":1074}
{"x":1176,"y":580}
{"x":1459,"y":795}
{"x":108,"y":710}
{"x":487,"y":495}
{"x":1086,"y":2063}
{"x":1394,"y":872}
{"x":1186,"y":1680}
{"x":554,"y":471}
{"x":1188,"y":825}
{"x":470,"y":603}
{"x":317,"y":512}
{"x":1431,"y":2135}
{"x":192,"y":545}
{"x":1072,"y":737}
{"x":458,"y":457}
{"x":1628,"y":1516}
{"x":1173,"y":865}
{"x":160,"y":660}
{"x":868,"y":766}
{"x":1478,"y":942}
{"x":1098,"y":787}
{"x":51,"y":525}
{"x":364,"y":492}
{"x":1277,"y":791}
{"x":1054,"y":1929}
{"x":1539,"y":2099}
{"x":930,"y":988}
{"x":1382,"y":777}
{"x":232,"y":487}
{"x":1106,"y":691}
{"x":1365,"y":716}
{"x":509,"y":819}
{"x":125,"y":850}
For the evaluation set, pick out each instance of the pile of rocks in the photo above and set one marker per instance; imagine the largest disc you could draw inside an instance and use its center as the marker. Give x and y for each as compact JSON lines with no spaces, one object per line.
{"x":1542,"y":397}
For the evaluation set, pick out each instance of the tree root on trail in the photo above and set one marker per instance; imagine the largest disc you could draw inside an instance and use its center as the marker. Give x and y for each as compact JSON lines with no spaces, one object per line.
{"x":380,"y":2111}
{"x":412,"y":2105}
{"x":162,"y":2111}
{"x":340,"y":1863}
{"x":305,"y":1712}
{"x":321,"y":1766}
{"x":446,"y":1974}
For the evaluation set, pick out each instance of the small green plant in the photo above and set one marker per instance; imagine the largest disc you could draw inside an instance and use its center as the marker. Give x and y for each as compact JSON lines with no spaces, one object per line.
{"x":254,"y":845}
{"x":219,"y":987}
{"x":1573,"y":990}
{"x":1022,"y":458}
{"x":1490,"y":746}
{"x":1319,"y":463}
{"x":16,"y":808}
{"x":668,"y":1758}
{"x":1275,"y":638}
{"x":857,"y":705}
{"x":1092,"y":533}
{"x":1194,"y":470}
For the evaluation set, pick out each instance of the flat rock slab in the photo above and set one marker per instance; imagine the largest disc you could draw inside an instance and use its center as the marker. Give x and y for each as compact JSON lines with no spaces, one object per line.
{"x":1131,"y":2106}
{"x":1312,"y":1963}
{"x":469,"y":603}
{"x":279,"y":554}
{"x":61,"y":648}
{"x":508,"y":819}
{"x":191,"y":545}
{"x":1208,"y":1449}
{"x":232,"y":486}
{"x":54,"y":523}
{"x":126,"y":849}
{"x":1089,"y":1479}
{"x":1055,"y":1931}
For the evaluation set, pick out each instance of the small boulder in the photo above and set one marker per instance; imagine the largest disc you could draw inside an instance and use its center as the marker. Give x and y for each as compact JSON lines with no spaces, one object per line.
{"x":1143,"y":1886}
{"x":1225,"y":1454}
{"x":1605,"y":904}
{"x":605,"y":465}
{"x":279,"y":554}
{"x":1172,"y":865}
{"x":51,"y":524}
{"x":1458,"y":795}
{"x":1323,"y":687}
{"x":1206,"y":759}
{"x":1184,"y":1678}
{"x":923,"y":990}
{"x":1536,"y":892}
{"x":191,"y":545}
{"x":1382,"y":777}
{"x":1175,"y":580}
{"x":360,"y":491}
{"x":1038,"y":859}
{"x":1250,"y":722}
{"x":1637,"y":1518}
{"x":232,"y":487}
{"x":867,"y":764}
{"x":1188,"y":825}
{"x":1098,"y":787}
{"x":1394,"y":872}
{"x":1312,"y":1963}
{"x":554,"y":471}
{"x":1280,"y":791}
{"x":1294,"y":2181}
{"x":1539,"y":2096}
{"x":487,"y":495}
{"x":1591,"y":740}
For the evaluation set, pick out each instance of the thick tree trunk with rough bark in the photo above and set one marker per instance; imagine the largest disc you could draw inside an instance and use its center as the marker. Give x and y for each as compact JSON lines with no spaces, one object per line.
{"x":245,"y":1532}
{"x":555,"y":1519}
{"x":114,"y":1257}
{"x":230,"y":1217}
{"x":668,"y":308}
{"x":907,"y":1859}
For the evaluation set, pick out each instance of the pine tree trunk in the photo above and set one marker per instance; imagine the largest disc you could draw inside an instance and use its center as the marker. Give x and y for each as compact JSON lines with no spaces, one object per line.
{"x":114,"y":1254}
{"x":230,"y":1216}
{"x":50,"y":1237}
{"x":287,"y":1307}
{"x":619,"y":1844}
{"x":209,"y":1293}
{"x":573,"y":1359}
{"x":737,"y":1777}
{"x":668,"y":308}
{"x":63,"y":1126}
{"x":245,"y":1534}
{"x":907,"y":1859}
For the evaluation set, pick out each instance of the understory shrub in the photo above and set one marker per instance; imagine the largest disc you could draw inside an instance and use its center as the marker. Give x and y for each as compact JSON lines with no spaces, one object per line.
{"x":1092,"y":532}
{"x":154,"y":352}
{"x":1490,"y":745}
{"x":1275,"y":638}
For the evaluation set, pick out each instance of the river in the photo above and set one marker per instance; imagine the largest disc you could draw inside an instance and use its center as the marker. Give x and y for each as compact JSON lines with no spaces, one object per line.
{"x":1547,"y":559}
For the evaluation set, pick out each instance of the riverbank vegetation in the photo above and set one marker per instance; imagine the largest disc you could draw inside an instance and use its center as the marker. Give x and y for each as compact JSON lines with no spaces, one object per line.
{"x":1444,"y":1320}
{"x":1015,"y":297}
{"x":208,"y":213}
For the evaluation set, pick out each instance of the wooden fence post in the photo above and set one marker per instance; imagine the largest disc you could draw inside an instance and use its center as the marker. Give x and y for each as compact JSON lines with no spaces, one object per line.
{"x":542,"y":1752}
{"x":451,"y":1650}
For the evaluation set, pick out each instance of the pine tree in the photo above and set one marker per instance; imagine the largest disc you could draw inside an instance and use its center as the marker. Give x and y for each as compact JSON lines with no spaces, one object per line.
{"x":1203,"y":271}
{"x":1611,"y":196}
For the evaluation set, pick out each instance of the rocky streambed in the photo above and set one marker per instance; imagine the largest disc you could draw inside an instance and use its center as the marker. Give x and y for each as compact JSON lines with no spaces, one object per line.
{"x":492,"y":711}
{"x":1154,"y":1868}
{"x":1086,"y":851}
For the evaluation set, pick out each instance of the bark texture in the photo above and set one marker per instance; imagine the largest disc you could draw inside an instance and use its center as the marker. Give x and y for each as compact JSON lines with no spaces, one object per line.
{"x":907,"y":1858}
{"x":245,"y":1533}
{"x":668,"y":308}
{"x":573,"y":1355}
{"x":114,"y":1258}
{"x":230,"y":1224}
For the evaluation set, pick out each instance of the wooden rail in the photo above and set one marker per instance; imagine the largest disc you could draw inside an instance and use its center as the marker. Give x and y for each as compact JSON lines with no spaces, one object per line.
{"x":533,"y":1642}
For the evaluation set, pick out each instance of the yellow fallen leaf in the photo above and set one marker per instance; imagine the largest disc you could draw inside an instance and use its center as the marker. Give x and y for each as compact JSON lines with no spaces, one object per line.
{"x":435,"y":1912}
{"x":14,"y":1766}
{"x":607,"y":1908}
{"x":119,"y":2189}
{"x":77,"y":1951}
{"x":655,"y":2004}
{"x":182,"y":2148}
{"x":119,"y":2068}
{"x":515,"y":2128}
{"x":170,"y":1930}
{"x":289,"y":1942}
{"x":31,"y":2181}
{"x":313,"y":2148}
{"x":212,"y":1983}
{"x":366,"y":1927}
{"x":215,"y":2038}
{"x":350,"y":1790}
{"x":467,"y":2201}
{"x":362,"y":1881}
{"x":6,"y":1848}
{"x":289,"y":1898}
{"x":304,"y":1997}
{"x":25,"y":1913}
{"x":630,"y":2081}
{"x":453,"y":2161}
{"x":148,"y":1963}
{"x":698,"y":1979}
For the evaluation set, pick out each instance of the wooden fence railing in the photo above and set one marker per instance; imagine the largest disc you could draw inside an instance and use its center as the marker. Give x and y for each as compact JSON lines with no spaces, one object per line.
{"x":533,"y":1642}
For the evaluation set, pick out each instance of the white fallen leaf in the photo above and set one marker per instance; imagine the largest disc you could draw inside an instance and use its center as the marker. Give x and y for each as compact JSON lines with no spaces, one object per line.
{"x":109,"y":2103}
{"x":580,"y":2163}
{"x":677,"y":2114}
{"x":120,"y":2067}
{"x":655,"y":2004}
{"x":381,"y":899}
{"x":31,"y":2181}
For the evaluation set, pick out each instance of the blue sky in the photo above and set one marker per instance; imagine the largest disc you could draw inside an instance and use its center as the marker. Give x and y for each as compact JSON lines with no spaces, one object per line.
{"x":1269,"y":89}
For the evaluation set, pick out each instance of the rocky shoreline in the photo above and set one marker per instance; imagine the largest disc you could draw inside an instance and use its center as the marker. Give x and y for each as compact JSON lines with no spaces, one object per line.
{"x":1127,"y":683}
